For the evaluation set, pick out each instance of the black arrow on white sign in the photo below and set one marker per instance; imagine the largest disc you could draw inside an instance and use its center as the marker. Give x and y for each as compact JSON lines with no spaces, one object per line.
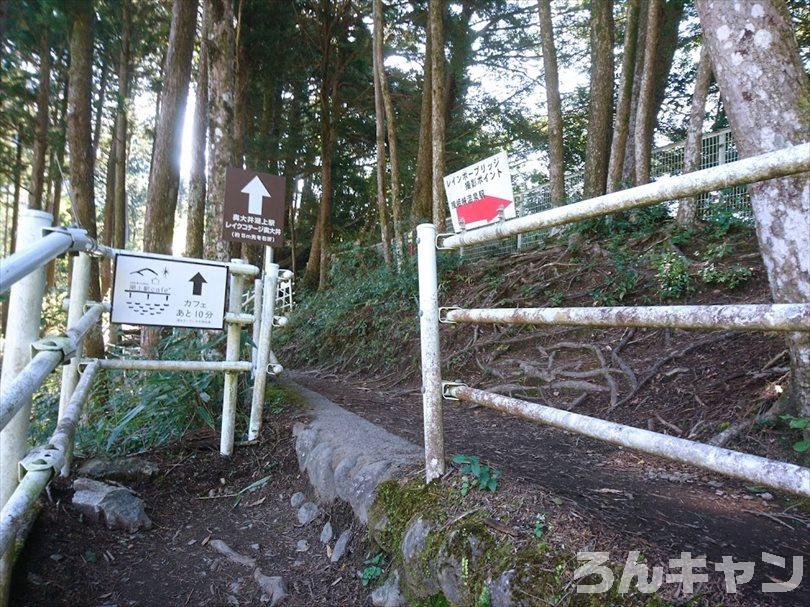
{"x":197,"y":280}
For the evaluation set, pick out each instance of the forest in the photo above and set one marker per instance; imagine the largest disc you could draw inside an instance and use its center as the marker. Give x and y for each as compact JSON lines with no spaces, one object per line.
{"x":122,"y":117}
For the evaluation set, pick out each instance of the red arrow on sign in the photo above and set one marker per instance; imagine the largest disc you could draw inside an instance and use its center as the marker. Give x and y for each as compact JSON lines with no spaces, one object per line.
{"x":483,"y":209}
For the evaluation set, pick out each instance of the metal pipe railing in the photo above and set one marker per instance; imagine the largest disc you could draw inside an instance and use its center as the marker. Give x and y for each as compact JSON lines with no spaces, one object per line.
{"x":268,"y":299}
{"x":757,"y":317}
{"x":41,"y":464}
{"x":121,"y":364}
{"x":752,"y":468}
{"x":22,"y":263}
{"x":30,"y":379}
{"x":232,"y":348}
{"x":787,"y":161}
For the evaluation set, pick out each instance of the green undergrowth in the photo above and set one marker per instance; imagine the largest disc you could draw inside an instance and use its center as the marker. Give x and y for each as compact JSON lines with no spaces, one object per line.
{"x":130,"y":412}
{"x":542,"y":570}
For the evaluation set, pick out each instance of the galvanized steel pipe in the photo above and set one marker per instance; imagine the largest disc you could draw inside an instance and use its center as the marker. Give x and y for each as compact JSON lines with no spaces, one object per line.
{"x":751,"y":468}
{"x":271,"y":273}
{"x":122,"y":364}
{"x":430,"y":350}
{"x":757,"y":317}
{"x":230,"y":388}
{"x":79,"y":286}
{"x":22,"y":263}
{"x":63,"y":436}
{"x":788,"y":161}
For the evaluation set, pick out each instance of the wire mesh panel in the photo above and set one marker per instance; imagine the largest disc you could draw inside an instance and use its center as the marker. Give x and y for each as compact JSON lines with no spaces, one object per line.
{"x":284,"y":297}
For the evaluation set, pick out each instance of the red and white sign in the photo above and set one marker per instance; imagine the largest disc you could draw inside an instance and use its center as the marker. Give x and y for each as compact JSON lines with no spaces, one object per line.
{"x":477,"y":194}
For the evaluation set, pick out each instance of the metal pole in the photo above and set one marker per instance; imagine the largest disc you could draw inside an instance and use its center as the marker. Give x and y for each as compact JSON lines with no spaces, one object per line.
{"x":758,"y":470}
{"x":65,"y":432}
{"x":788,"y":161}
{"x":231,"y":388}
{"x":79,"y":284}
{"x":212,"y":366}
{"x":263,"y":353}
{"x":431,"y":353}
{"x":28,"y":259}
{"x":758,"y":317}
{"x":24,"y":311}
{"x":258,"y":288}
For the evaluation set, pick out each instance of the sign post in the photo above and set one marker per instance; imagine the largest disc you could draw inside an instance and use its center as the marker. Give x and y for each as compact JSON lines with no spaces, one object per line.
{"x":481,"y":193}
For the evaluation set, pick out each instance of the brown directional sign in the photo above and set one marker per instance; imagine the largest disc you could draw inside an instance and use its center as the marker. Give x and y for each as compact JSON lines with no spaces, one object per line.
{"x":254,"y":207}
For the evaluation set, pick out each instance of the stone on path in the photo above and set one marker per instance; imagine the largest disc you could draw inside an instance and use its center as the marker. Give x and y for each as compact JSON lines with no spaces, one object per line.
{"x":340,"y":545}
{"x":307,"y":513}
{"x":118,"y":507}
{"x":388,"y":595}
{"x":125,"y":468}
{"x":302,"y":546}
{"x":297,"y":499}
{"x":272,"y":585}
{"x":326,"y":533}
{"x":231,"y":554}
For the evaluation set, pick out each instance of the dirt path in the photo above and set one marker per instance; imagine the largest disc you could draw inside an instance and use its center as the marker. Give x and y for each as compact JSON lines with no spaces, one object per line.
{"x":639,"y":497}
{"x":70,"y":563}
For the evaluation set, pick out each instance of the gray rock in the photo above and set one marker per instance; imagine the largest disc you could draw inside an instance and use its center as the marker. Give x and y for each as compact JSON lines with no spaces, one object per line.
{"x":343,"y":476}
{"x":118,"y":507}
{"x":364,"y":486}
{"x":231,"y":601}
{"x":121,"y":469}
{"x":231,"y":554}
{"x":321,"y":475}
{"x":421,"y":581}
{"x":500,"y":590}
{"x":304,"y":443}
{"x":297,"y":499}
{"x":341,"y":545}
{"x":388,"y":595}
{"x":237,"y":586}
{"x":272,"y":585}
{"x":302,"y":546}
{"x":462,"y":550}
{"x":307,"y":513}
{"x":326,"y":533}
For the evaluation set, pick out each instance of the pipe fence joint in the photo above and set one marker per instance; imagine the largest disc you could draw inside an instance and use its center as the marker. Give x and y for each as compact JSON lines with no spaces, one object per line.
{"x":44,"y":457}
{"x":280,"y":321}
{"x":443,"y":310}
{"x":440,"y":241}
{"x":55,"y":343}
{"x":448,"y":389}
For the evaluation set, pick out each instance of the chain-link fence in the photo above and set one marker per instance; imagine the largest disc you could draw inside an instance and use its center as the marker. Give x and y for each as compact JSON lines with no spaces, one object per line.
{"x":716,"y":148}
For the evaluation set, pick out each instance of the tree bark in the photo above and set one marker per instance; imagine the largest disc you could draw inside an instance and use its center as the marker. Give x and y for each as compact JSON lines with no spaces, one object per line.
{"x":119,"y":236}
{"x":80,"y":142}
{"x":164,"y":177}
{"x":622,"y":121}
{"x":221,"y":75}
{"x":629,"y":163}
{"x":102,"y":94}
{"x":421,"y":206}
{"x":393,"y":157}
{"x":195,"y":228}
{"x":41,"y":129}
{"x":55,"y":175}
{"x":379,"y":112}
{"x":556,"y":166}
{"x":435,"y":18}
{"x":765,"y":92}
{"x":688,"y":207}
{"x":645,"y":96}
{"x":108,"y":215}
{"x":600,"y":113}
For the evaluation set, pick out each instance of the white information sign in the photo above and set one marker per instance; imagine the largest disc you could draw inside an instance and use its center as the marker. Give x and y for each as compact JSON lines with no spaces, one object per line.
{"x":476,"y":194}
{"x":156,"y":290}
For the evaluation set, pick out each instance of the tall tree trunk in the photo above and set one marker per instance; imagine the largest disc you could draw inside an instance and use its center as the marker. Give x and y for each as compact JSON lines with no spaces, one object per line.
{"x":556,"y":166}
{"x":435,"y":18}
{"x":15,"y":213}
{"x":164,"y":178}
{"x":629,"y":164}
{"x":600,"y":113}
{"x":121,"y":127}
{"x":80,"y":142}
{"x":622,"y":121}
{"x":55,"y":174}
{"x":195,"y":228}
{"x":379,"y":112}
{"x":108,"y":215}
{"x":645,"y":96}
{"x":765,"y":92}
{"x":327,"y":153}
{"x":422,"y":205}
{"x":221,"y":76}
{"x":393,"y":156}
{"x":102,"y":94}
{"x":41,"y":130}
{"x":688,"y":207}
